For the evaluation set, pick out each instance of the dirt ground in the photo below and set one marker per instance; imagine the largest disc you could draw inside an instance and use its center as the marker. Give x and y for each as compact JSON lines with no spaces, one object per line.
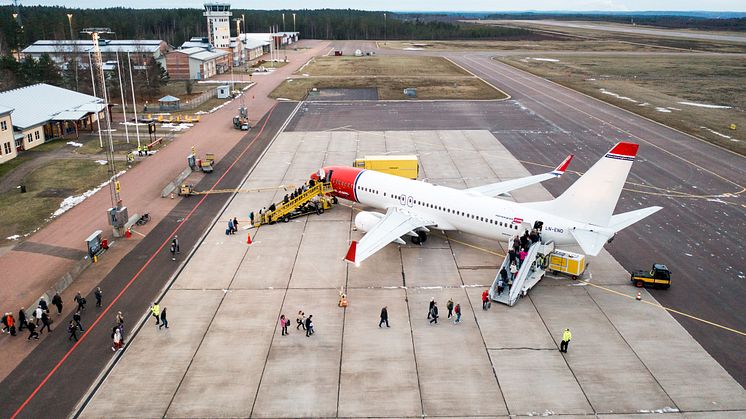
{"x":433,"y":77}
{"x":656,"y":86}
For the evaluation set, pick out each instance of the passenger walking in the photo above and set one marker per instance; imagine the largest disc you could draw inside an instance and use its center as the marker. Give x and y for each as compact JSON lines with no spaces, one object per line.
{"x":72,"y":329}
{"x":173,"y":251}
{"x":235,"y":224}
{"x":120,"y":318}
{"x":384,"y":317}
{"x":76,"y":319}
{"x":21,"y":318}
{"x":80,"y":300}
{"x":300,"y":320}
{"x":486,"y":300}
{"x":251,"y":216}
{"x":522,"y":256}
{"x":502,"y":281}
{"x":284,"y":325}
{"x":513,"y":272}
{"x":32,"y":330}
{"x":37,"y":314}
{"x":457,"y":310}
{"x":57,"y":302}
{"x":449,"y":306}
{"x":11,"y":321}
{"x":6,"y":328}
{"x":99,"y":295}
{"x":155,"y":311}
{"x":434,"y":313}
{"x":566,"y":336}
{"x":43,"y":305}
{"x":46,"y":322}
{"x":430,"y":309}
{"x":117,"y":339}
{"x":230,"y":226}
{"x":175,"y":243}
{"x":309,"y":325}
{"x":164,"y":320}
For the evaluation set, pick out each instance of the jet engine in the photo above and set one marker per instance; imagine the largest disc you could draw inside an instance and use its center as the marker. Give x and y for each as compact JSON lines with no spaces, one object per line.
{"x":365,"y":220}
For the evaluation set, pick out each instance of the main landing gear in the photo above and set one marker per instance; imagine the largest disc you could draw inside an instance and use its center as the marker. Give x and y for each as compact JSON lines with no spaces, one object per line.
{"x":420,"y":238}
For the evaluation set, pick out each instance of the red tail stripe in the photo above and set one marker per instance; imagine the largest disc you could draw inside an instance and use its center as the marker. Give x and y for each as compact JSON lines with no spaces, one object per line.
{"x":625,"y":149}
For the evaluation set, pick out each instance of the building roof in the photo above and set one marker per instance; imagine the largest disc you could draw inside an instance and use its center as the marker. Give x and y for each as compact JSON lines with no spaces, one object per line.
{"x":206,"y":55}
{"x":254,"y":43}
{"x":197,"y":41}
{"x":45,"y":46}
{"x":169,"y":98}
{"x":36,"y":104}
{"x":5,"y":109}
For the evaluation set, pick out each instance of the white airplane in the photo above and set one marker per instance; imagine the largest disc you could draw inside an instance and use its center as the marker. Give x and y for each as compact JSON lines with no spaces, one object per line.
{"x":583,"y":214}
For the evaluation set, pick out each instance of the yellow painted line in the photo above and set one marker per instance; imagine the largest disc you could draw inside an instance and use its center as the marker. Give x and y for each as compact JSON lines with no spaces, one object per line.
{"x":476,"y":247}
{"x":699,"y":319}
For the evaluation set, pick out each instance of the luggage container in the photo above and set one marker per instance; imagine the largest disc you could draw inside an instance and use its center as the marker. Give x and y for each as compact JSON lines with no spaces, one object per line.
{"x":404,"y":166}
{"x":569,"y":263}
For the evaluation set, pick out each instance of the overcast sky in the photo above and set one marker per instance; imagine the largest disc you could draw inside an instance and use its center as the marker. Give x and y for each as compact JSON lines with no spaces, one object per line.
{"x":423,"y":5}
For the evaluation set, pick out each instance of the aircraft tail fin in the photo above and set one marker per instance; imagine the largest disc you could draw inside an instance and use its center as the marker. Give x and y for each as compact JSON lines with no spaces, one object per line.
{"x":593,"y":197}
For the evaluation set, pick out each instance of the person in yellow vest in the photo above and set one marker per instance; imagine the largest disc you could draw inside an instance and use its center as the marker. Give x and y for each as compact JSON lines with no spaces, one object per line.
{"x":566,"y":336}
{"x":155,"y":311}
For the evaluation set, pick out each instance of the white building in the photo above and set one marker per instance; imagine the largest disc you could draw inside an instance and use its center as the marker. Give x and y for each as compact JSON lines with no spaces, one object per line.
{"x":42,"y":112}
{"x":7,"y":141}
{"x":218,"y":24}
{"x":60,"y":51}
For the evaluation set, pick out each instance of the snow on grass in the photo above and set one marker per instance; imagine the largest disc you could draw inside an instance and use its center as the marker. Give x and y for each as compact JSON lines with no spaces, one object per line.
{"x":177,"y":127}
{"x":719,"y":134}
{"x":13,"y":237}
{"x":551,"y":60}
{"x":101,"y":162}
{"x":413,"y":49}
{"x":71,"y":201}
{"x":618,"y":96}
{"x":74,"y":144}
{"x":663,"y":410}
{"x":705,"y":105}
{"x":664,"y":110}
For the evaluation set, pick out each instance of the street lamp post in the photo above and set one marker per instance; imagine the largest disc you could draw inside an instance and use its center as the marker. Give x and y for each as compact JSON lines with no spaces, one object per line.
{"x":385,"y":33}
{"x":283,"y":22}
{"x":293,"y":22}
{"x":74,"y":49}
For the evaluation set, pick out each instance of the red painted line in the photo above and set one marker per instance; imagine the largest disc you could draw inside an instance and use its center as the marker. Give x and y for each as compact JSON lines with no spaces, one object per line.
{"x":131,"y":281}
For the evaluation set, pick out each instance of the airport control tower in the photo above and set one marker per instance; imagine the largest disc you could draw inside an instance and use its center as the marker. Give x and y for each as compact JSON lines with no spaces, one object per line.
{"x":218,"y":24}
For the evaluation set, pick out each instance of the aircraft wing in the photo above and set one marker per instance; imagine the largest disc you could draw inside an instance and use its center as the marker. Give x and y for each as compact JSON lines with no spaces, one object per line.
{"x":396,"y":223}
{"x":502,"y":188}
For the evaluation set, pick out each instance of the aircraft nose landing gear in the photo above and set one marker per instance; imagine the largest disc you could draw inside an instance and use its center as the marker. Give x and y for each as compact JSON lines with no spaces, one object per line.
{"x":420,"y":238}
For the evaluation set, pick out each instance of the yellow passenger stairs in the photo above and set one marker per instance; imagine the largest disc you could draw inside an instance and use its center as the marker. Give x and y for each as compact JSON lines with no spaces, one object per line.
{"x":315,"y":199}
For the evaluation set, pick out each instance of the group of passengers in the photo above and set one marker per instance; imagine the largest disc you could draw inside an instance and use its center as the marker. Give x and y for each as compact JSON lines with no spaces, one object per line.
{"x":516,"y":256}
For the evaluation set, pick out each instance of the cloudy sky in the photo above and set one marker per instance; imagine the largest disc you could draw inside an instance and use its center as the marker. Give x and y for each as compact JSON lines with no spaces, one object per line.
{"x":423,"y":5}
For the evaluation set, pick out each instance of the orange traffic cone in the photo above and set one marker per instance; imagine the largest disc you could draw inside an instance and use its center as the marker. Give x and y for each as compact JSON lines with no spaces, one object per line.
{"x":128,"y":233}
{"x":248,"y":238}
{"x":639,"y":296}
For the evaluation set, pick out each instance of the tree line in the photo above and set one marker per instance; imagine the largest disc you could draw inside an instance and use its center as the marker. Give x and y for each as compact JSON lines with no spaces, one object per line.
{"x":177,"y":25}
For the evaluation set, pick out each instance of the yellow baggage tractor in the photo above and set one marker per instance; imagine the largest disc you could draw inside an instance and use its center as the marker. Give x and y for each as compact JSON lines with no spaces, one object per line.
{"x":562,"y":261}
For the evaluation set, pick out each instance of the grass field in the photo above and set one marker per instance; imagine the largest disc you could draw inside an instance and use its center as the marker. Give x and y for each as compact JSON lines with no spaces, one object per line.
{"x":542,"y":45}
{"x":434,"y":78}
{"x":655,"y":87}
{"x":638,"y":39}
{"x":46,"y":188}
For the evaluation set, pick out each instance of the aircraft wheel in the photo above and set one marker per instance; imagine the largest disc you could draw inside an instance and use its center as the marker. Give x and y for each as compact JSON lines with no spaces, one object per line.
{"x":415,"y":240}
{"x":639,"y":284}
{"x":285,"y":219}
{"x":422,"y":236}
{"x":335,"y":201}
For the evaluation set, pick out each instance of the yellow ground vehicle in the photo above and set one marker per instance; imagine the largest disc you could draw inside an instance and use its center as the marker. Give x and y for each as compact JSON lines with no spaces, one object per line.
{"x":569,"y":263}
{"x":314,"y":199}
{"x":405,"y":166}
{"x":658,"y":277}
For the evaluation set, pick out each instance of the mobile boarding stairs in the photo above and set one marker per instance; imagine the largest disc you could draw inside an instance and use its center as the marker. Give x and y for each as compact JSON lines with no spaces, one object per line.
{"x":530,"y":273}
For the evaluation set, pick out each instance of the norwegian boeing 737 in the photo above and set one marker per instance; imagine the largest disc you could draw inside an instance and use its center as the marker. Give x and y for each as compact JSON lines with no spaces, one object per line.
{"x":582,"y":215}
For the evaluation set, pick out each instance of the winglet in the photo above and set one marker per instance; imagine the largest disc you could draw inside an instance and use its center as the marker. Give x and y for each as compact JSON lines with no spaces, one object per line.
{"x":563,"y":166}
{"x":625,"y":149}
{"x":351,"y":252}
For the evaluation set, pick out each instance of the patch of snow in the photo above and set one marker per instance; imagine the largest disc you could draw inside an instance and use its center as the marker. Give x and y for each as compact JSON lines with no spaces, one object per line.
{"x":663,"y":410}
{"x":74,"y":144}
{"x":551,"y":60}
{"x":705,"y":105}
{"x":305,"y":74}
{"x":717,"y":133}
{"x":644,"y":104}
{"x":413,"y":49}
{"x":618,"y":96}
{"x":590,"y":79}
{"x":201,"y":113}
{"x":13,"y":237}
{"x":283,"y":99}
{"x":717,"y":200}
{"x":71,"y":201}
{"x":664,"y":110}
{"x":177,"y":127}
{"x":101,"y":162}
{"x":688,"y":254}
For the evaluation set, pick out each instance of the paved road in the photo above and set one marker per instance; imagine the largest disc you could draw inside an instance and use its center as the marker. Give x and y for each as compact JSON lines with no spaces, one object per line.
{"x":83,"y":363}
{"x":736,"y":37}
{"x":698,"y":234}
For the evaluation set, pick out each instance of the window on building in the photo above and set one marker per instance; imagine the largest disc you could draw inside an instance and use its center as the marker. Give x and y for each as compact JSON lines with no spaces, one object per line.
{"x":7,"y":148}
{"x":36,"y":135}
{"x":30,"y":137}
{"x":4,"y":125}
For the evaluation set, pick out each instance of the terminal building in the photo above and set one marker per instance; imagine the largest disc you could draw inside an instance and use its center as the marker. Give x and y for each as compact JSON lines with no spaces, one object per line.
{"x":61,"y":51}
{"x":32,"y":115}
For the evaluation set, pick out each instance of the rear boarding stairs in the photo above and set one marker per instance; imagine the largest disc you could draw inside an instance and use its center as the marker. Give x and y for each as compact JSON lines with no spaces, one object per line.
{"x":316,"y":199}
{"x":529,"y":274}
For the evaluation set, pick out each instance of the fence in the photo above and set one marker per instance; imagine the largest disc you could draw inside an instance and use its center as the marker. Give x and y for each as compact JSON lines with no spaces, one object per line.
{"x":202,"y":98}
